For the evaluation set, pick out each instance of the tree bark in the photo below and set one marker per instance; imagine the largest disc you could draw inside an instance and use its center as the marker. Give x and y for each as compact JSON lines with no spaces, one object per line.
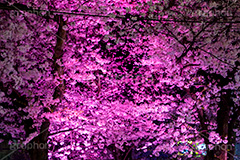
{"x":39,"y":150}
{"x":223,"y":116}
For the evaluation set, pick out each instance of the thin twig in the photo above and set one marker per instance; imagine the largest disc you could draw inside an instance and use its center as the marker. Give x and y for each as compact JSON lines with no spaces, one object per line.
{"x":215,"y":56}
{"x":194,"y":39}
{"x":128,"y":152}
{"x":67,"y":130}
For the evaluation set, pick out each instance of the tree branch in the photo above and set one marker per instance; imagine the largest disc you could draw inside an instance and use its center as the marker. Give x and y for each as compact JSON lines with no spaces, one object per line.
{"x":67,"y":130}
{"x":128,"y":152}
{"x":215,"y":57}
{"x":194,"y":39}
{"x":189,"y":65}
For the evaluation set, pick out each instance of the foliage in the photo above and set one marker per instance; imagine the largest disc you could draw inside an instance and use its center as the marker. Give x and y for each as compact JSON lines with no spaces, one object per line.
{"x":145,"y":73}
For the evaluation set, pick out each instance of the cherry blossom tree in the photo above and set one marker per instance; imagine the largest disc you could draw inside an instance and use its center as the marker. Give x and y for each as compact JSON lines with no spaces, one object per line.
{"x":98,"y":79}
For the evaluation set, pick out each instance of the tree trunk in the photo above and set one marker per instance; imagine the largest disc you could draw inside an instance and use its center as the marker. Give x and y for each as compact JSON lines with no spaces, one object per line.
{"x":223,"y":116}
{"x":39,"y":145}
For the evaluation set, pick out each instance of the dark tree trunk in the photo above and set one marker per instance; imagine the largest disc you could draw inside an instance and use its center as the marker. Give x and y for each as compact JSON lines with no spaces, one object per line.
{"x":39,"y":149}
{"x":223,"y":116}
{"x":40,"y":152}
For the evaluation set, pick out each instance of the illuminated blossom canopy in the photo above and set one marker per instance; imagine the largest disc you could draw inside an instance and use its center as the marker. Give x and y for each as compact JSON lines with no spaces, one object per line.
{"x":98,"y":79}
